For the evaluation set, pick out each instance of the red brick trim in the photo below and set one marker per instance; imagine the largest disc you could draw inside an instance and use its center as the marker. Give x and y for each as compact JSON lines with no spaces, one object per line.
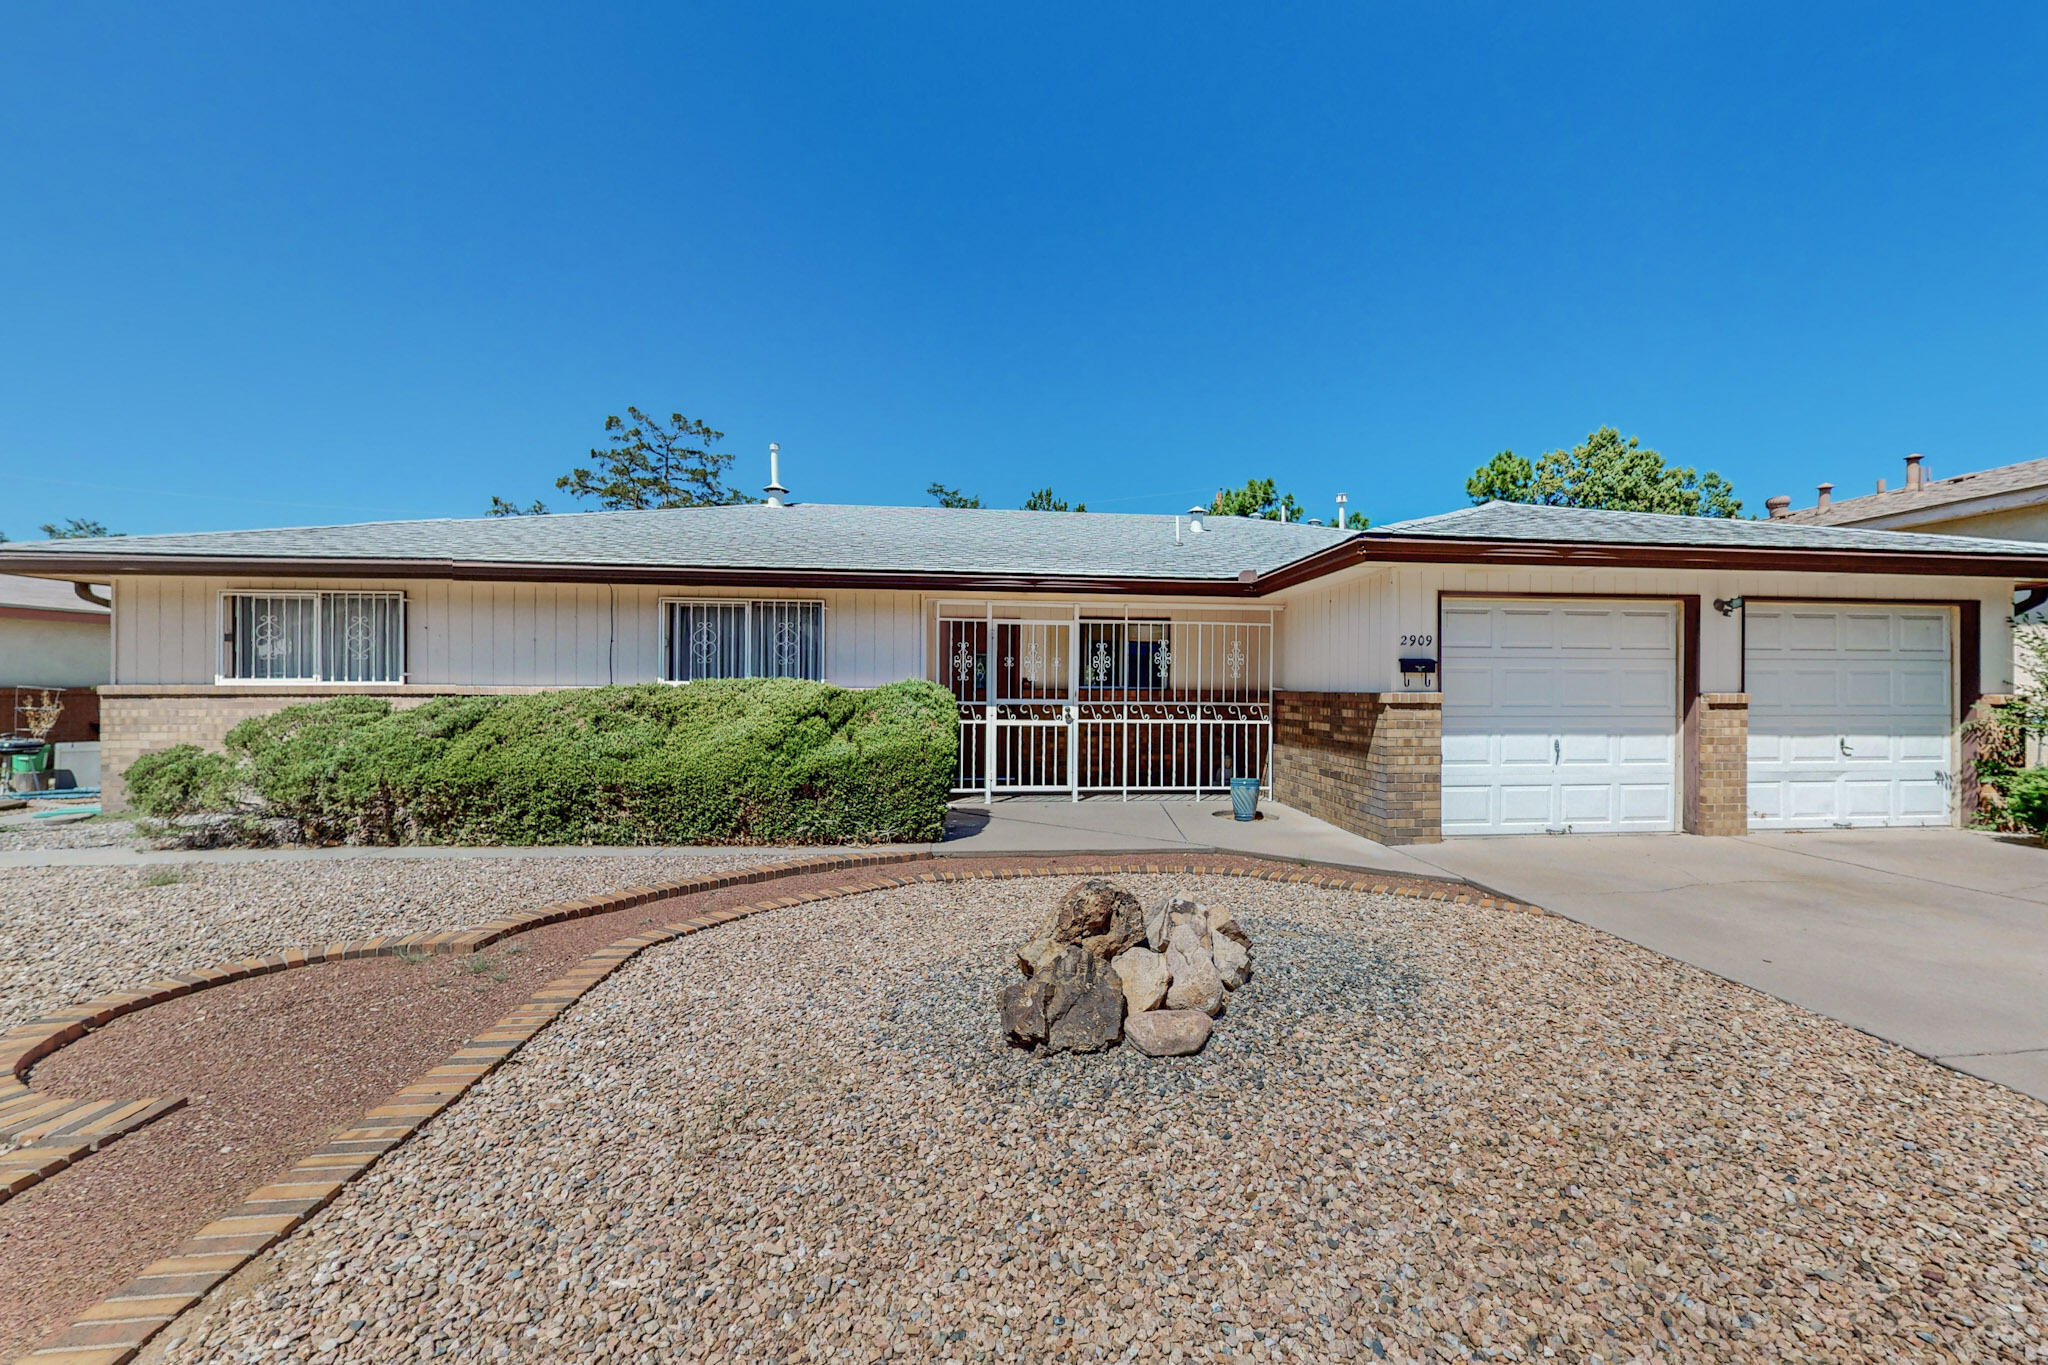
{"x":114,"y":1330}
{"x":63,"y":1134}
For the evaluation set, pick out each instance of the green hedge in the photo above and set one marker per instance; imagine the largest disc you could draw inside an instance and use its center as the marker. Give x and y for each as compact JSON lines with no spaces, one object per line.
{"x":757,"y":761}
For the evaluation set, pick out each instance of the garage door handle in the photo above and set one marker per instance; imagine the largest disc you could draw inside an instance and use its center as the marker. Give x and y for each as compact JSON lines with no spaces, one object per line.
{"x":1556,"y":750}
{"x":1846,"y":751}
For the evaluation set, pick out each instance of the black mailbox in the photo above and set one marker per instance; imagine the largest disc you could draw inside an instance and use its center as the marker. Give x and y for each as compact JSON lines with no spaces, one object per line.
{"x":1418,"y":675}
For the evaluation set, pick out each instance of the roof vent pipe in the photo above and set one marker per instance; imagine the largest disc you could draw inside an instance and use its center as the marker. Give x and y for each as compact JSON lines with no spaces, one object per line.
{"x":1778,"y":506}
{"x":1827,"y":495}
{"x":1195,"y":520}
{"x":1340,"y":522}
{"x":775,"y":490}
{"x":1916,"y":477}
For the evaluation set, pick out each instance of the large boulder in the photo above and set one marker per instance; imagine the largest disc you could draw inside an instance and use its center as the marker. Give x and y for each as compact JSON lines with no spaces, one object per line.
{"x":1084,"y":1006}
{"x":1221,"y":921}
{"x":1233,"y":961}
{"x":1035,"y":956}
{"x":1168,"y":1033}
{"x":1164,"y":914}
{"x":1089,"y":910}
{"x":1196,"y":985}
{"x":1144,"y":977}
{"x":1023,"y":1008}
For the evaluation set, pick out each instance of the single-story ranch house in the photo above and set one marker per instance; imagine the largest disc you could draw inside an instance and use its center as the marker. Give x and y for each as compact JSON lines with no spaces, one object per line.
{"x":1499,"y":669}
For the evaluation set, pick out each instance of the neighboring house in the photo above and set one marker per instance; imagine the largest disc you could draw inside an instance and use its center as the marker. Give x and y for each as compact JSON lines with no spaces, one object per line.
{"x":2009,"y":503}
{"x":1600,"y":671}
{"x":53,"y":638}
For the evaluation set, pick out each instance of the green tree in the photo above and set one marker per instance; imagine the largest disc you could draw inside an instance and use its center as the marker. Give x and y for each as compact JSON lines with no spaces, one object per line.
{"x":1258,"y":498}
{"x":76,"y":528}
{"x":651,"y":463}
{"x":1044,"y":501}
{"x":502,"y":508}
{"x":1606,"y":471}
{"x":951,"y":497}
{"x":1262,"y":498}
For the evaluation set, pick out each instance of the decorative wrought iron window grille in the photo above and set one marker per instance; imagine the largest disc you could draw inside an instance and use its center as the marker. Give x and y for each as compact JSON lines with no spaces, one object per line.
{"x":345,"y":637}
{"x":724,"y":638}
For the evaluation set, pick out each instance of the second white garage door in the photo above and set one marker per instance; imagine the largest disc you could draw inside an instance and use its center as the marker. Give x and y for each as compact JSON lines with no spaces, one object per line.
{"x":1559,"y":716}
{"x":1849,"y":715}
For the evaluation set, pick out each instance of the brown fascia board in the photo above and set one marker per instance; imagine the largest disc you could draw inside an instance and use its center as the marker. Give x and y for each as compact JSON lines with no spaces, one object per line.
{"x":2027,"y":569}
{"x":104,"y":566}
{"x":2024,"y":569}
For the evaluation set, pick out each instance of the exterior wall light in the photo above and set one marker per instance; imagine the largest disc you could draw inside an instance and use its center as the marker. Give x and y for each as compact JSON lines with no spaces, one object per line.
{"x":1727,"y":606}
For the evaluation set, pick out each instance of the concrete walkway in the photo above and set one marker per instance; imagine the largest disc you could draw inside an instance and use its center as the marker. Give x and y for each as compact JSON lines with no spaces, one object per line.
{"x":1023,"y":824}
{"x":1934,"y":939}
{"x":1012,"y":825}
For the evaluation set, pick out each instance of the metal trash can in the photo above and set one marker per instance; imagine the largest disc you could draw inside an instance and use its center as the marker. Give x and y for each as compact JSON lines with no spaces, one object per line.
{"x":1244,"y":797}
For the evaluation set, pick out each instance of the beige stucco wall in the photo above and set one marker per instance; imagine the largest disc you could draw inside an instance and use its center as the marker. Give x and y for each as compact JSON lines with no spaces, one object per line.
{"x":1344,"y":632}
{"x":54,"y":653}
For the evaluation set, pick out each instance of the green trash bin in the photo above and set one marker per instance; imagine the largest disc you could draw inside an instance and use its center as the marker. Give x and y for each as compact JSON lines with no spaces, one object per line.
{"x":26,"y":758}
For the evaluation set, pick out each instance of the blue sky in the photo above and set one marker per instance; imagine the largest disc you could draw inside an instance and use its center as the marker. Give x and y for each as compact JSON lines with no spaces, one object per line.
{"x":277,"y":265}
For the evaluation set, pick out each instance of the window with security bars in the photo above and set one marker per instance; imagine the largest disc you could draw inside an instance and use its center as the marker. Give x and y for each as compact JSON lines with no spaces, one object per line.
{"x":1131,"y":656}
{"x":313,"y":637}
{"x":765,"y":639}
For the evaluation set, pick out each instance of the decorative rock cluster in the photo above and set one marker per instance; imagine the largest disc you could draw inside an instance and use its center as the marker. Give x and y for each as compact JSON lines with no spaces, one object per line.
{"x":1101,"y":968}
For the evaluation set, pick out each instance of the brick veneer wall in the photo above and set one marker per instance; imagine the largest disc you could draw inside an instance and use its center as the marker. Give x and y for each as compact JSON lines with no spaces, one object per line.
{"x":136,"y":719}
{"x":1721,"y":805}
{"x":1369,"y":762}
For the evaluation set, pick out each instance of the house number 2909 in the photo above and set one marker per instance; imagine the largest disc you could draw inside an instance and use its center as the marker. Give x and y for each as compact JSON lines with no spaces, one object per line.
{"x":1425,"y":641}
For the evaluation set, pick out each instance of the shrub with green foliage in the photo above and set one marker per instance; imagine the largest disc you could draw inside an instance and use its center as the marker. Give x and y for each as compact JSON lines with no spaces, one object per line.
{"x":755,"y":761}
{"x":183,"y":780}
{"x":2026,"y":799}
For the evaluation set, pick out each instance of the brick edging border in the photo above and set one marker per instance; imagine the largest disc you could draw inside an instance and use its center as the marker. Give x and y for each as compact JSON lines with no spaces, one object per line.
{"x":22,"y":1046}
{"x":114,"y":1330}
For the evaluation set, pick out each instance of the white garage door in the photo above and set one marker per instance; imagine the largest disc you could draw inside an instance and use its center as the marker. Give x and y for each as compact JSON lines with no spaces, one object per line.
{"x":1848,"y":716}
{"x":1559,"y":716}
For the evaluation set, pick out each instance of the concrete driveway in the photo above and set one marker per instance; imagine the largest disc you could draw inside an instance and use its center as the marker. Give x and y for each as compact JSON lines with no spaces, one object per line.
{"x":1933,"y":939}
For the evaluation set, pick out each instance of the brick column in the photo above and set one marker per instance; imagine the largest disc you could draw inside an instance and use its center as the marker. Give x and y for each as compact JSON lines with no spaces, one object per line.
{"x":1719,"y":801}
{"x":1368,"y":762}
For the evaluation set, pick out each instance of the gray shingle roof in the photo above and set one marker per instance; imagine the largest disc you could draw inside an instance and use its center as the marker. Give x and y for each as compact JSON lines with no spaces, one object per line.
{"x":1522,"y":521}
{"x":804,"y":536}
{"x":2027,"y":475}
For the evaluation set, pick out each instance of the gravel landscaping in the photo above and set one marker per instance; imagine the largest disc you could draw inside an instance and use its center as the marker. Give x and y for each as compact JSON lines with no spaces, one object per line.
{"x":1428,"y":1133}
{"x":25,"y":833}
{"x":69,"y":933}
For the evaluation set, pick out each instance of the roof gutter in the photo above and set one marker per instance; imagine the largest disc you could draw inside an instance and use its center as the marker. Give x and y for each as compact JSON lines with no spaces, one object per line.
{"x":98,"y":568}
{"x":1371,"y":549}
{"x":1365,"y":548}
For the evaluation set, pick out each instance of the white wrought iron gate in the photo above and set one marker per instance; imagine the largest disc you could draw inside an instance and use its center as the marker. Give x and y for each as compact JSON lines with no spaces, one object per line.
{"x":1062,"y":701}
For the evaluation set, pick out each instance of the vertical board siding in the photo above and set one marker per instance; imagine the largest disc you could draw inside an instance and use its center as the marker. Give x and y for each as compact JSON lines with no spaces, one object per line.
{"x":509,"y":634}
{"x":1342,"y":634}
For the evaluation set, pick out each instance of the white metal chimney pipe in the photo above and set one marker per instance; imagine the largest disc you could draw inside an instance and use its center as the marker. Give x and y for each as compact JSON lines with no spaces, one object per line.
{"x":774,"y":490}
{"x":1195,"y":520}
{"x":1339,"y":523}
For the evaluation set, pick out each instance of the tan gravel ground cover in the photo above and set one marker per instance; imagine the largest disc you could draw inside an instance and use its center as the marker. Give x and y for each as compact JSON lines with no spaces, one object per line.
{"x":1421,"y":1132}
{"x":68,"y":933}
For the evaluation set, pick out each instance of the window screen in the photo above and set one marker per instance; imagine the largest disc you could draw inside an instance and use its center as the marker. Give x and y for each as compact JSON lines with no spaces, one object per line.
{"x":315,"y":637}
{"x":768,"y":639}
{"x":274,"y":638}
